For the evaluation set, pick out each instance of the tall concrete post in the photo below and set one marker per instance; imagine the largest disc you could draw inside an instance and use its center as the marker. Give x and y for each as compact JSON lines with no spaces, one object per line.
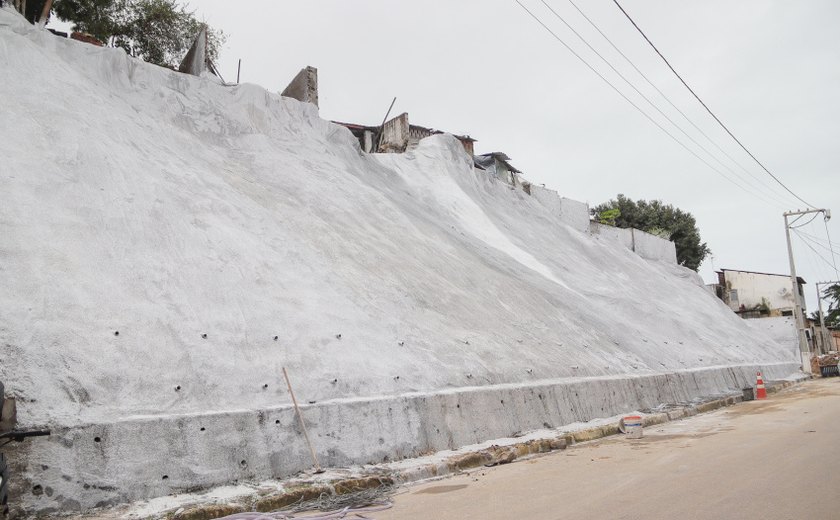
{"x":822,"y":320}
{"x":826,"y":336}
{"x":804,"y":353}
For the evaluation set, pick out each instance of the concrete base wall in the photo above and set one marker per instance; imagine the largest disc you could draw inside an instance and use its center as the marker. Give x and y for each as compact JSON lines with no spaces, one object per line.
{"x":170,"y":454}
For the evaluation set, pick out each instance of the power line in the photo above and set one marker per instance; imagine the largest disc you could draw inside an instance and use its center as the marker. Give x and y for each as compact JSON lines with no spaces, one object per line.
{"x":833,"y":257}
{"x":815,"y":266}
{"x":812,"y":249}
{"x":806,"y":223}
{"x":709,"y":110}
{"x":651,"y":103}
{"x":818,"y":241}
{"x":668,"y":100}
{"x":634,"y":105}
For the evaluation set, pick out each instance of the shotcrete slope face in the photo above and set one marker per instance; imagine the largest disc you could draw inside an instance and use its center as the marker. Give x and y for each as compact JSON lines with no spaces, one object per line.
{"x":142,"y":209}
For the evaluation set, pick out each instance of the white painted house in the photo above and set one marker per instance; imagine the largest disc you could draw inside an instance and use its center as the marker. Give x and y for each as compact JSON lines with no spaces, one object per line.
{"x":756,"y":295}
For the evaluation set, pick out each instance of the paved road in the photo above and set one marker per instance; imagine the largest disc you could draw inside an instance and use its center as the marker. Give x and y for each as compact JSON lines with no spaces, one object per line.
{"x":774,"y":459}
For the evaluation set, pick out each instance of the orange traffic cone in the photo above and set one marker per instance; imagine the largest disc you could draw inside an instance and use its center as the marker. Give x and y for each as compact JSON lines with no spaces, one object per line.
{"x":760,"y":392}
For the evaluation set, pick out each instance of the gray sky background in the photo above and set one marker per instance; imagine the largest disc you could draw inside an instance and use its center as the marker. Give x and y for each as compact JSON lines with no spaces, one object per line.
{"x":770,"y":70}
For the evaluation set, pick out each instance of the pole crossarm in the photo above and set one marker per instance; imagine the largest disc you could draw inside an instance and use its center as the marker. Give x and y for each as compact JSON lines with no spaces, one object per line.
{"x":807,"y":211}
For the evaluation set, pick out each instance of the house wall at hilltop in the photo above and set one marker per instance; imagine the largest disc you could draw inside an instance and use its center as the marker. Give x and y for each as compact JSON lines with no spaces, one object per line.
{"x":744,"y":291}
{"x":304,"y":86}
{"x":398,"y":135}
{"x":498,"y":165}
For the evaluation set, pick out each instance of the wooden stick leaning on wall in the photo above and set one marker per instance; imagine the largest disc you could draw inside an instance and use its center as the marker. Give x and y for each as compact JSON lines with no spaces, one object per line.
{"x":318,"y":468}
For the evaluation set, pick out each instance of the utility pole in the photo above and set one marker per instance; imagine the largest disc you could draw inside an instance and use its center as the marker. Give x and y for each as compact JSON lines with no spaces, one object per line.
{"x":826,"y":339}
{"x":804,"y":352}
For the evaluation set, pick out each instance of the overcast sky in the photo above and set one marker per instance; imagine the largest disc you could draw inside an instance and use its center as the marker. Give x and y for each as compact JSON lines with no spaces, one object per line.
{"x":769,"y":69}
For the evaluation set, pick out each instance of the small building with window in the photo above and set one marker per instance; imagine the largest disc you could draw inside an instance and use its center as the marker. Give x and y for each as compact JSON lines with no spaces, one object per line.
{"x":498,"y":165}
{"x":397,"y":135}
{"x":752,"y":294}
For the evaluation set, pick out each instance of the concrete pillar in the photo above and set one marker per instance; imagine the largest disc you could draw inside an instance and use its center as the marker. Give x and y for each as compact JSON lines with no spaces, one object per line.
{"x":304,"y":87}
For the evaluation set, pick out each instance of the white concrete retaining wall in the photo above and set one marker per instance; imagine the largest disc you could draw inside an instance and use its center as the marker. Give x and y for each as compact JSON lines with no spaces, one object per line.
{"x":650,"y":247}
{"x":550,"y":199}
{"x":621,"y":236}
{"x":158,"y":281}
{"x":571,"y":212}
{"x":575,"y":214}
{"x":653,"y":247}
{"x":781,"y":328}
{"x":100,"y":464}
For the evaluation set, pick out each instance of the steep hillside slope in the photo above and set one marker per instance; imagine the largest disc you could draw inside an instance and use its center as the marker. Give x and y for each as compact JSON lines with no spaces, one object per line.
{"x":168,"y":244}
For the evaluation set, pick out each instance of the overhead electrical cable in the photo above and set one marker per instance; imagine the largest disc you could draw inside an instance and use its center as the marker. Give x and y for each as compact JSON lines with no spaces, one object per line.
{"x":668,"y":99}
{"x":833,"y":256}
{"x":816,"y":267}
{"x":818,"y":241}
{"x":805,"y":223}
{"x":809,"y":246}
{"x":634,"y":105}
{"x":754,"y":158}
{"x":814,"y":242}
{"x":654,"y":105}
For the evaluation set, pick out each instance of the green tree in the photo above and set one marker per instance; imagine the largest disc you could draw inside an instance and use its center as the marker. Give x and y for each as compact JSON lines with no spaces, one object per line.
{"x":663,"y":220}
{"x":162,"y":31}
{"x":608,"y":216}
{"x":100,"y":18}
{"x":156,"y":31}
{"x":832,"y":316}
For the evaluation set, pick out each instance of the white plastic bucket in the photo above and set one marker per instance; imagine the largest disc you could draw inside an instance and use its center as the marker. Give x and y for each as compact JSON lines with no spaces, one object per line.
{"x":632,"y":426}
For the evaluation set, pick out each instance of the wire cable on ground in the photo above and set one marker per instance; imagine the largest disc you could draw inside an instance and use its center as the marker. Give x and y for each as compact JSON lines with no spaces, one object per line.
{"x":356,"y":505}
{"x":628,"y":100}
{"x":671,"y":103}
{"x":347,"y":512}
{"x":709,"y":110}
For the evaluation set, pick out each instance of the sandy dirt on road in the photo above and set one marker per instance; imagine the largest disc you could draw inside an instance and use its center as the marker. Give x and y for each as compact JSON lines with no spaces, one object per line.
{"x":775,"y":458}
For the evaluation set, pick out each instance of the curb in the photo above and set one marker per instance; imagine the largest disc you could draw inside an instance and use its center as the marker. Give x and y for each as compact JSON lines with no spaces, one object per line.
{"x":295,"y":494}
{"x":491,"y":456}
{"x":452,"y":465}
